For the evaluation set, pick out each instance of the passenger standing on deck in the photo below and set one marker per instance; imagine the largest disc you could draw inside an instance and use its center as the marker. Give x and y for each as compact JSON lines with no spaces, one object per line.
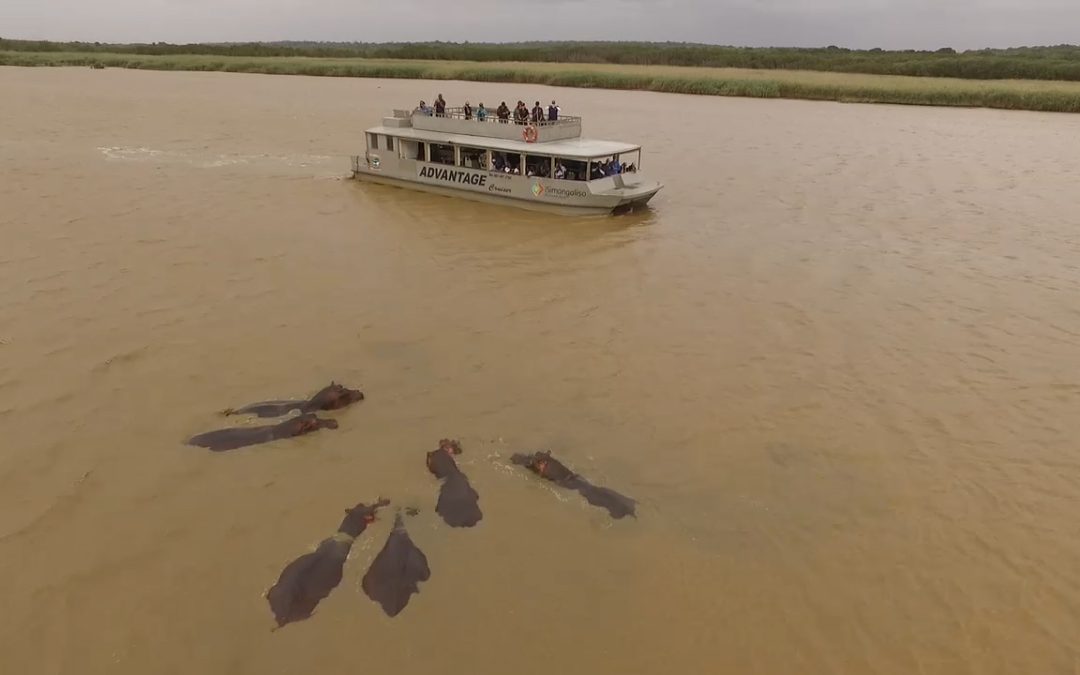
{"x":481,"y":113}
{"x":521,"y":113}
{"x":440,"y":106}
{"x":503,"y":112}
{"x":467,"y":110}
{"x":537,"y":113}
{"x":553,"y":112}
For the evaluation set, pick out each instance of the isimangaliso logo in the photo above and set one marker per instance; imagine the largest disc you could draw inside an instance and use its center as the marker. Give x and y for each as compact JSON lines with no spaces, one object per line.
{"x":537,"y":190}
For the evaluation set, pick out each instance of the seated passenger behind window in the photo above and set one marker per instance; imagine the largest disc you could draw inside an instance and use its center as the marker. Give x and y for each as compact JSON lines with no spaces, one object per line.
{"x":560,"y":171}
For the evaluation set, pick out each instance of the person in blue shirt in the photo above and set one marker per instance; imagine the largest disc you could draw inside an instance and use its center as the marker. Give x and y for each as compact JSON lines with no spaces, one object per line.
{"x":481,"y":113}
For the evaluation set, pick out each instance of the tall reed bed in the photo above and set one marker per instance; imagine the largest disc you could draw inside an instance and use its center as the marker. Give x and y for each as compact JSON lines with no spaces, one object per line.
{"x":1005,"y":94}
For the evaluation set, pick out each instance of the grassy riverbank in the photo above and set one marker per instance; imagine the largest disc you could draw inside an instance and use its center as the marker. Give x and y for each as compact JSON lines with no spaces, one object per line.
{"x":1060,"y":62}
{"x":1042,"y":95}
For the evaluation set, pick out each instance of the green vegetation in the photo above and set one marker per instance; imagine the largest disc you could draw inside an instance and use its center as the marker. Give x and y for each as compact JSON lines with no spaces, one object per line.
{"x":1033,"y":63}
{"x":1007,"y":94}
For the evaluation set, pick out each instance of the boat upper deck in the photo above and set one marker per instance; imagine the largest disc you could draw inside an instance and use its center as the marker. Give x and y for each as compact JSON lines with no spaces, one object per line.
{"x":453,"y":121}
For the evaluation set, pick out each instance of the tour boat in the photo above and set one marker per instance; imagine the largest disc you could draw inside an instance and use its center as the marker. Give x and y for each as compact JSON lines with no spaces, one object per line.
{"x":542,"y":166}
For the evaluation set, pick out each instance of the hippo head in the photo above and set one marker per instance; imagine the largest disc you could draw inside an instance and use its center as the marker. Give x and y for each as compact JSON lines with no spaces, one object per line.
{"x":335,"y":396}
{"x":543,"y":465}
{"x":441,"y":462}
{"x":450,"y":447}
{"x":359,"y":517}
{"x":305,"y":424}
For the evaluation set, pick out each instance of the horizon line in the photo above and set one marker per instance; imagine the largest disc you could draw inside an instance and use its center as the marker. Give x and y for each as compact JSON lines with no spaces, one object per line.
{"x":684,"y":43}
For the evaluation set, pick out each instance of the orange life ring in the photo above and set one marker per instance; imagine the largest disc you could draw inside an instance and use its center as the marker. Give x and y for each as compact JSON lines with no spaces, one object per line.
{"x":529,"y":134}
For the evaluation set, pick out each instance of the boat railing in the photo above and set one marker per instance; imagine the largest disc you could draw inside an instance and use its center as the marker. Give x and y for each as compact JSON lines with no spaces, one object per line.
{"x":459,"y":114}
{"x":453,"y":120}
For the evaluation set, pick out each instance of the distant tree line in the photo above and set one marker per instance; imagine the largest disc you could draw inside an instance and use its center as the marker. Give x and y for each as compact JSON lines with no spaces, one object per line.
{"x":1037,"y":63}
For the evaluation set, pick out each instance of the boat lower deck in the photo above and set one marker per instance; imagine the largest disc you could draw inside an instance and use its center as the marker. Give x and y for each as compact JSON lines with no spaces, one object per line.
{"x":602,"y":196}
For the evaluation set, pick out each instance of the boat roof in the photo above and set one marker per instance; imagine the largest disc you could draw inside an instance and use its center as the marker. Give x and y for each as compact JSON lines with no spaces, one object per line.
{"x":574,"y":148}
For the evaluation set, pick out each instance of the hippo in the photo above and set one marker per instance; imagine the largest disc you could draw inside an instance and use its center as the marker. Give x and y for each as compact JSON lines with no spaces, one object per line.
{"x":239,"y":437}
{"x":333,"y":397}
{"x":458,"y":502}
{"x":549,"y":468}
{"x":396,"y":572}
{"x":307,"y":580}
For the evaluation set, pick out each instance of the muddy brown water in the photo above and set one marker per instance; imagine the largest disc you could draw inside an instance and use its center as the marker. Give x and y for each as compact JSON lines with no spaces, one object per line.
{"x":837,"y":363}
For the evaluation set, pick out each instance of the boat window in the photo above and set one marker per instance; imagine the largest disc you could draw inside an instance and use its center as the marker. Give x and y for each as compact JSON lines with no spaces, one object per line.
{"x":442,"y":154}
{"x":572,"y":169}
{"x":373,"y":141}
{"x":606,"y":167}
{"x":507,"y":162}
{"x":536,"y":165}
{"x":389,"y":143}
{"x":473,"y":158}
{"x":411,"y":149}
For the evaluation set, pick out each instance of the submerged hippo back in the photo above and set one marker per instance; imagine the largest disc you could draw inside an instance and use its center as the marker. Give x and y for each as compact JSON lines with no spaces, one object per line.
{"x":308,"y":580}
{"x":459,"y":503}
{"x":396,"y":572}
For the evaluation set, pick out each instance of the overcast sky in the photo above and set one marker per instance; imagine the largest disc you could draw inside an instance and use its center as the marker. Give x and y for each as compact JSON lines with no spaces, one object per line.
{"x":917,"y":24}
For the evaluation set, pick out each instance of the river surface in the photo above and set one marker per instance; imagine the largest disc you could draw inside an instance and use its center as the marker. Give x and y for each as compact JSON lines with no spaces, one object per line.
{"x":837,"y":363}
